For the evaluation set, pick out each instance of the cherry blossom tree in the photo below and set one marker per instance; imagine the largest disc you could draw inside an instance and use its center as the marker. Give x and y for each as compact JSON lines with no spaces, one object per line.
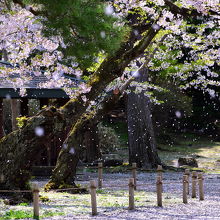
{"x":42,"y":35}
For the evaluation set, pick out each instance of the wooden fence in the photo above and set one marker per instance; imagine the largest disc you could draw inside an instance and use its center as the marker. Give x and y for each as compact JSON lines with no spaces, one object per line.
{"x":196,"y":179}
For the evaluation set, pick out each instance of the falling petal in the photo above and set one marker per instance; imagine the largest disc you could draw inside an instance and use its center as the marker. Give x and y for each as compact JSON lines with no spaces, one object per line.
{"x":72,"y":151}
{"x":39,"y":131}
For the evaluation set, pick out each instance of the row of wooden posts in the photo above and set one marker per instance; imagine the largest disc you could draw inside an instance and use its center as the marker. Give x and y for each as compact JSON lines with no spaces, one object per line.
{"x":132,"y":184}
{"x":159,"y":186}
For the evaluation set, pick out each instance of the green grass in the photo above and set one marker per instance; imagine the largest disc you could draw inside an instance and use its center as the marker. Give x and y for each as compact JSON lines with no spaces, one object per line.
{"x":17,"y":214}
{"x":117,"y":169}
{"x":23,"y":204}
{"x":206,"y":151}
{"x":21,"y":214}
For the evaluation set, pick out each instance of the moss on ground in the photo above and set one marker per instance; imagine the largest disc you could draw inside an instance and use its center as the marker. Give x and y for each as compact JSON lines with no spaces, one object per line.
{"x":204,"y":149}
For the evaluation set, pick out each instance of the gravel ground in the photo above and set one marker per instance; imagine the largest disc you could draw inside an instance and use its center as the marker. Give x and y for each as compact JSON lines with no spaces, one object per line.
{"x":195,"y":209}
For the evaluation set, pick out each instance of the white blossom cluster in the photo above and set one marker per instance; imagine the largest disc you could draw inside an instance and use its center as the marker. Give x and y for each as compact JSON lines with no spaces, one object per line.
{"x":21,"y":36}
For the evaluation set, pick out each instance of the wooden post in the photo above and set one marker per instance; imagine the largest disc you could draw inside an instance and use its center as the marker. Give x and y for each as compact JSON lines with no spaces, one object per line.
{"x":14,"y":113}
{"x":93,"y":197}
{"x":131,"y":194}
{"x":160,"y":171}
{"x":2,"y":133}
{"x":35,"y":189}
{"x":100,"y":172}
{"x":201,"y":188}
{"x":187,"y":173}
{"x":159,"y":191}
{"x":194,"y":182}
{"x":185,"y":188}
{"x":134,"y":174}
{"x":24,"y":107}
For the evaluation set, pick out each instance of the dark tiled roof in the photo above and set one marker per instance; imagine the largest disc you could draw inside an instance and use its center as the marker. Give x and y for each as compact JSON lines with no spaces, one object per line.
{"x":6,"y":87}
{"x":32,"y":83}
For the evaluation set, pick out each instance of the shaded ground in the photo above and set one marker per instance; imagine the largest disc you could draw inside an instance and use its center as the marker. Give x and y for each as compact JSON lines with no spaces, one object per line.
{"x":204,"y":149}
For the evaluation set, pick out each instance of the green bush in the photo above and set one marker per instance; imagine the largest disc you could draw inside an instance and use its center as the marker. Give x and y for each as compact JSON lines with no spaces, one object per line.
{"x":108,"y":139}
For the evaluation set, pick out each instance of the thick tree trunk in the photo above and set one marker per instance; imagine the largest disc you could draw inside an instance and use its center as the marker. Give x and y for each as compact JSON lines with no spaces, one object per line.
{"x":142,"y":143}
{"x":91,"y":142}
{"x":65,"y":170}
{"x":18,"y":149}
{"x":110,"y":69}
{"x":21,"y":148}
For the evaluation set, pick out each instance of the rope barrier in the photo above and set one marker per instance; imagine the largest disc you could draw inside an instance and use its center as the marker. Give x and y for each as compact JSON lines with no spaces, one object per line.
{"x":140,"y":184}
{"x":66,"y":189}
{"x":128,"y":195}
{"x":117,"y":196}
{"x":116,"y":186}
{"x":104,"y":187}
{"x":31,"y":191}
{"x":143,"y":184}
{"x":17,"y":191}
{"x":172,"y":182}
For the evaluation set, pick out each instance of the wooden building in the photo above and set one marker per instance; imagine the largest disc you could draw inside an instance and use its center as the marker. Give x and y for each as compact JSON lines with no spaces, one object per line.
{"x":20,"y":107}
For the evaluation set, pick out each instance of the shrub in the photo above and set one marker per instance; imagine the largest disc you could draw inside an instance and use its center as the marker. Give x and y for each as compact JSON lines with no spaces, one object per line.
{"x":108,"y":140}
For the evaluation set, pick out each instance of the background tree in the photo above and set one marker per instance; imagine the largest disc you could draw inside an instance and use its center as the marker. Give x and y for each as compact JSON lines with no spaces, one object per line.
{"x":195,"y":71}
{"x":141,"y":138}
